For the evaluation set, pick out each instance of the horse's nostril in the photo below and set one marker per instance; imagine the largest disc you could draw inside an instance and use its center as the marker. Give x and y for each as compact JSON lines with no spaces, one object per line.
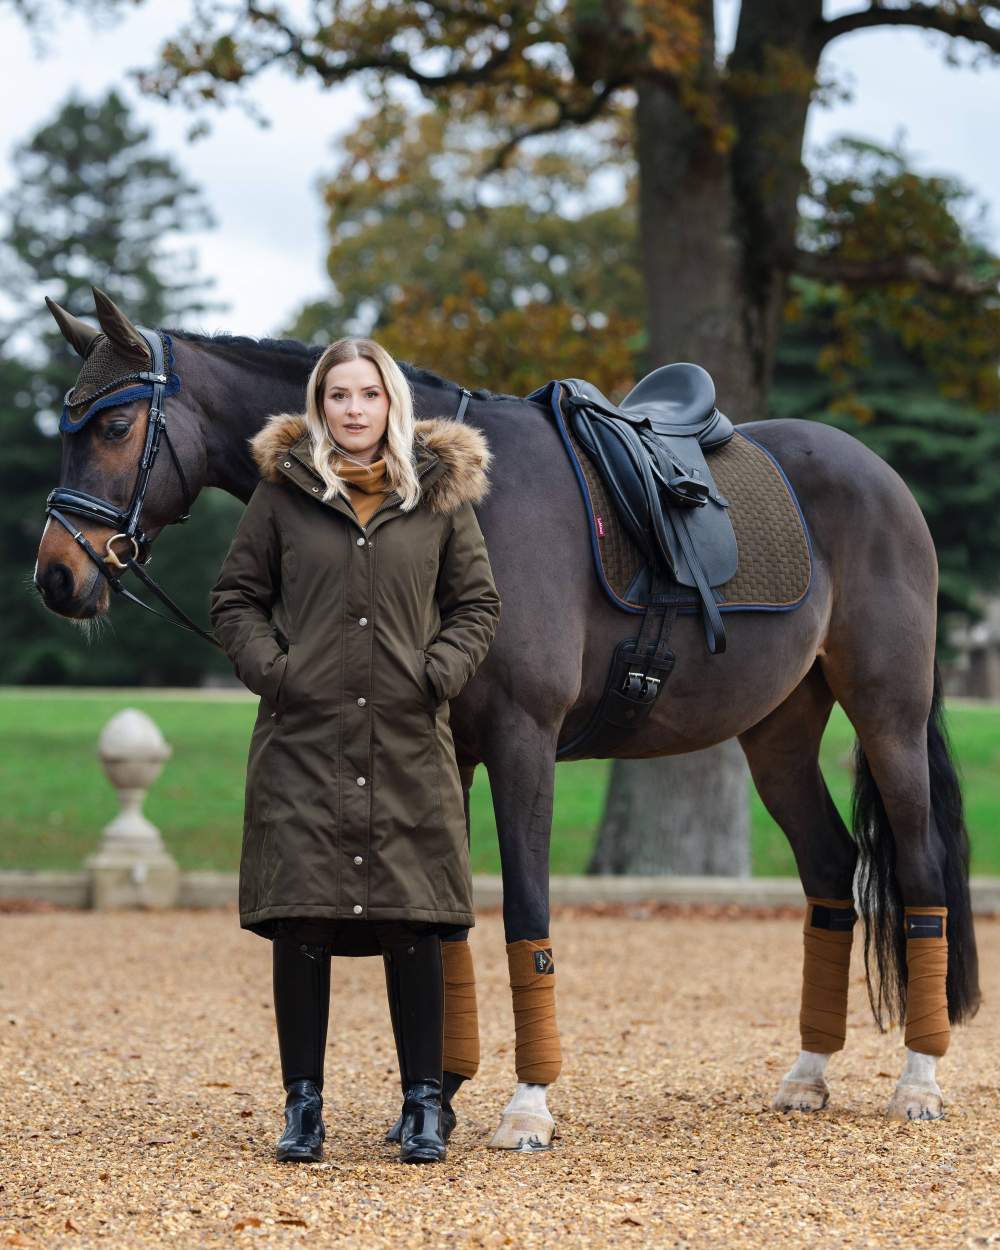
{"x":56,"y":583}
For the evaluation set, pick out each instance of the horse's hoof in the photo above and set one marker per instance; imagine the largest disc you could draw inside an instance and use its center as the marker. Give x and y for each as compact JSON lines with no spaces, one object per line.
{"x":915,"y":1102}
{"x":801,"y":1096}
{"x":524,"y":1131}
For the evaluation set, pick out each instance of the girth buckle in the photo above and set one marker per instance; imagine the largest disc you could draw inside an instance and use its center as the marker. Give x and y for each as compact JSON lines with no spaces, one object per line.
{"x":640,"y":686}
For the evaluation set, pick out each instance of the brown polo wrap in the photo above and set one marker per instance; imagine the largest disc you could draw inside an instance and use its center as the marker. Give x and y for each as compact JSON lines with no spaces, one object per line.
{"x":537,"y":1050}
{"x":461,"y":1015}
{"x":927,"y":1027}
{"x":827,"y":936}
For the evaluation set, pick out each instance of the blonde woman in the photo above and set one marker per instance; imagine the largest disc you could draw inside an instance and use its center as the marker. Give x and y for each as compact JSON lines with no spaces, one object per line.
{"x":357,"y":599}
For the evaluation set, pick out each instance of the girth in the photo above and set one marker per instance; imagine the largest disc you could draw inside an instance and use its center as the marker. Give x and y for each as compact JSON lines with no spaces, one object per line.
{"x":638,"y":674}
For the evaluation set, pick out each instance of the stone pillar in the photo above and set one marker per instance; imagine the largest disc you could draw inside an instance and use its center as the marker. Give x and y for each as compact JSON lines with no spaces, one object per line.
{"x":132,"y":867}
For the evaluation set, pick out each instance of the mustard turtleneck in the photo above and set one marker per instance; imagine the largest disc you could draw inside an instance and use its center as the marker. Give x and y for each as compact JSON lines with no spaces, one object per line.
{"x":367,"y":486}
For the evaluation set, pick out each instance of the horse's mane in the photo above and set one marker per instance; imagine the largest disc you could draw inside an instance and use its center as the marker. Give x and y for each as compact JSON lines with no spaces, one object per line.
{"x":289,"y":355}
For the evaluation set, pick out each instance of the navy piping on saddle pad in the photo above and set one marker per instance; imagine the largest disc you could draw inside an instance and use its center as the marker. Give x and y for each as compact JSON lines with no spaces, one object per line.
{"x":550,"y":394}
{"x":117,"y":398}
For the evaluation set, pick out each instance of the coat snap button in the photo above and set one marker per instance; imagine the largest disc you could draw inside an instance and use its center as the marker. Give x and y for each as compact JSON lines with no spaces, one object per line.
{"x":288,"y":464}
{"x":316,"y":489}
{"x":362,"y":620}
{"x":361,"y":542}
{"x":362,"y":701}
{"x":358,"y":859}
{"x":358,"y":909}
{"x":361,"y":781}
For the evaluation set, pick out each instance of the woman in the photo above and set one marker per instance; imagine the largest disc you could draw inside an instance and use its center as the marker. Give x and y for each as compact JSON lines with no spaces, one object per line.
{"x":357,"y":599}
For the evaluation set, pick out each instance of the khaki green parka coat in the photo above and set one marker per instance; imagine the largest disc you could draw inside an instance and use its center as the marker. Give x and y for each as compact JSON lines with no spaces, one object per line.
{"x":356,"y":638}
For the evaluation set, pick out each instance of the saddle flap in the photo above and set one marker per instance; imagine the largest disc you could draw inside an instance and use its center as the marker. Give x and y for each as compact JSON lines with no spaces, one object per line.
{"x":624,"y":464}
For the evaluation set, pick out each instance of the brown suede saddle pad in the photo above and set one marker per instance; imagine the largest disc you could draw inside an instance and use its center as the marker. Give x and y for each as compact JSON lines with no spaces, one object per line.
{"x":774,"y":573}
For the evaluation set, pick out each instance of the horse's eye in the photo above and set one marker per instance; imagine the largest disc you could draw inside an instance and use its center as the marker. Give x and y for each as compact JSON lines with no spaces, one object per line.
{"x":117,"y":429}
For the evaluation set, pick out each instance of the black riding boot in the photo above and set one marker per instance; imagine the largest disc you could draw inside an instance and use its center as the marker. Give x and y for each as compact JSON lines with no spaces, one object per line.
{"x":415,"y":985}
{"x":301,"y":1011}
{"x":449,"y":1085}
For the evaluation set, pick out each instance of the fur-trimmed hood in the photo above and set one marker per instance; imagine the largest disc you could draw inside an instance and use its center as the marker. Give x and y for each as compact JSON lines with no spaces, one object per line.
{"x":461,"y":449}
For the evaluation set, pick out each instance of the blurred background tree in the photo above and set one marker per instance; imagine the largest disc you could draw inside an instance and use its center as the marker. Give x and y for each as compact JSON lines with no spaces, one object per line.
{"x":538,"y":279}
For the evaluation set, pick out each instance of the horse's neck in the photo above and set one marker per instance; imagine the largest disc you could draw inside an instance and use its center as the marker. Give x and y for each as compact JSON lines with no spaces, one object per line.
{"x":236,"y":400}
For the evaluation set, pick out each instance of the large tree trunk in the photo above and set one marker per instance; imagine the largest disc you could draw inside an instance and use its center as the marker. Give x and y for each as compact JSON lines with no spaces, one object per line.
{"x":714,"y":221}
{"x":698,"y":828}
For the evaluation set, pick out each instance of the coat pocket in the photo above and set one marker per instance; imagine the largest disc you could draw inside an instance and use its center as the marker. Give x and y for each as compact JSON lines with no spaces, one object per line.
{"x":431,"y":699}
{"x":284,"y":693}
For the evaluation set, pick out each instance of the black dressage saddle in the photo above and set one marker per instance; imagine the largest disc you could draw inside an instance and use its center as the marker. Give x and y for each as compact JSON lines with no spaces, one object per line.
{"x":650,"y":452}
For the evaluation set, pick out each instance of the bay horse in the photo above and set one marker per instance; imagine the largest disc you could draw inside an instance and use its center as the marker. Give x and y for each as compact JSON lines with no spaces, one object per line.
{"x":864,"y":637}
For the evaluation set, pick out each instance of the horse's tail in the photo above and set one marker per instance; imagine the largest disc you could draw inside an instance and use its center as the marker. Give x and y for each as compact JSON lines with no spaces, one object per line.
{"x":878,"y":889}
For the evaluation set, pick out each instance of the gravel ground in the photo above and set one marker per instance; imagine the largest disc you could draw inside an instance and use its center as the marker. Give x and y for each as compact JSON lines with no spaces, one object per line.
{"x":140,"y":1100}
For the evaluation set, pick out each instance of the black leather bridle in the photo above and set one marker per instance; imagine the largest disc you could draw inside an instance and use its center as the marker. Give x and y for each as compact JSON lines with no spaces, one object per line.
{"x":125,"y":522}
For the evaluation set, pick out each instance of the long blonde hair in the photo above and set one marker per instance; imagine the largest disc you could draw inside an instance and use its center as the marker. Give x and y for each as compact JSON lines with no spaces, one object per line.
{"x":400,"y":470}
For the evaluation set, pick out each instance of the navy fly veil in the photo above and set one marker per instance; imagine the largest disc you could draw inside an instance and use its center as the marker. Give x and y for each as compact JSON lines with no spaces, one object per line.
{"x":106,"y":371}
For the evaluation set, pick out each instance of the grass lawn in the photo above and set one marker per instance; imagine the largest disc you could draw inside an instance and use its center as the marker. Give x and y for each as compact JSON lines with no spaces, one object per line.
{"x":56,"y":798}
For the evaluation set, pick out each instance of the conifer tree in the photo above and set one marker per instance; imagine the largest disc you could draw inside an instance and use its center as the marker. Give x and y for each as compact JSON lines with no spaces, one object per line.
{"x":94,"y":204}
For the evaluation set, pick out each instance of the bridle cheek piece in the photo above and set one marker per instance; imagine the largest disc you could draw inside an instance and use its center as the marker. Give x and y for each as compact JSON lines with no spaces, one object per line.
{"x":155,"y":383}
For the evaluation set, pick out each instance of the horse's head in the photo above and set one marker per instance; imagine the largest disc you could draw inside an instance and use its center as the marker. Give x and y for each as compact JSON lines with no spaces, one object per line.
{"x":115,"y":494}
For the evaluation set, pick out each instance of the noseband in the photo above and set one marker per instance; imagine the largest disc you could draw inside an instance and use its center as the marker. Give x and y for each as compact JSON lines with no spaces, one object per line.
{"x":125,"y":522}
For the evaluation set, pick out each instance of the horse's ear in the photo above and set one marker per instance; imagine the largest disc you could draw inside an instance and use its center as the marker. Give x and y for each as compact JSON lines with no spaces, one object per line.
{"x":118,"y":328}
{"x":77,"y":333}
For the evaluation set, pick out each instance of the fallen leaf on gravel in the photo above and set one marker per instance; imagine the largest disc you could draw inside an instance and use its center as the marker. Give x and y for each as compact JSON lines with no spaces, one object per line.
{"x":297,"y":1223}
{"x":157,"y":1141}
{"x":250,"y":1222}
{"x":70,"y":1226}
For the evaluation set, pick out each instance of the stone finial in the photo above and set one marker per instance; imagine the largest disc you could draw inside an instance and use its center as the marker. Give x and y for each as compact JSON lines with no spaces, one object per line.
{"x":132,"y":867}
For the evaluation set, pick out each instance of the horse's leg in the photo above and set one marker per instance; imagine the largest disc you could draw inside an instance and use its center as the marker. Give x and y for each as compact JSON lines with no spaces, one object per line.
{"x":783,"y":754}
{"x":914,"y":878}
{"x":520,"y":761}
{"x":899,"y":767}
{"x":461,"y":1014}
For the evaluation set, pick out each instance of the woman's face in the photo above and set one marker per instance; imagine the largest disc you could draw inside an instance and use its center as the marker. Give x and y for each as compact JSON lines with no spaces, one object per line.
{"x":356,"y":408}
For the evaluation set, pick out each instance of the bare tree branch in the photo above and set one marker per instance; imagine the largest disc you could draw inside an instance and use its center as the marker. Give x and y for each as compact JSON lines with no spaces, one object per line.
{"x":330,"y":72}
{"x":566,"y":115}
{"x":830,"y":268}
{"x":923,"y":16}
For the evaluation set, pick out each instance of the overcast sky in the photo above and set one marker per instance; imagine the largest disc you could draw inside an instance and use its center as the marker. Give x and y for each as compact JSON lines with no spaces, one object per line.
{"x":267,"y":253}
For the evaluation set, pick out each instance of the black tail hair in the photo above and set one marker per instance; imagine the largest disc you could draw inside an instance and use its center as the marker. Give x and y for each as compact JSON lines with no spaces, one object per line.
{"x":878,"y":890}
